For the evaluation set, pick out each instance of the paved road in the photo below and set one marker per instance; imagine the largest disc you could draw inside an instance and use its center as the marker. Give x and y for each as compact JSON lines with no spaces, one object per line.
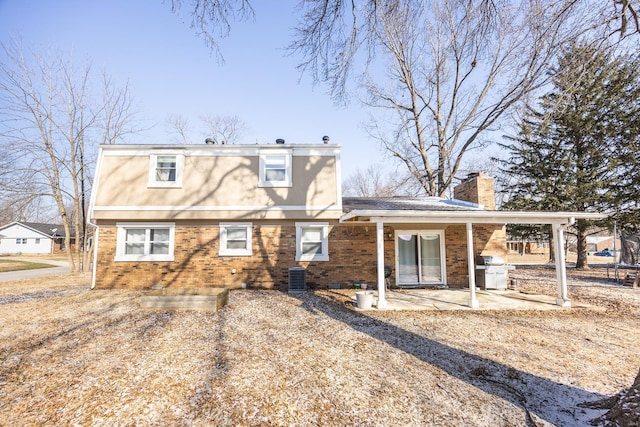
{"x":58,"y":267}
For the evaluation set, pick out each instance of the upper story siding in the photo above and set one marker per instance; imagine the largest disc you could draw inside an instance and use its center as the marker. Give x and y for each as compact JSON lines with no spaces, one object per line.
{"x":219,"y":182}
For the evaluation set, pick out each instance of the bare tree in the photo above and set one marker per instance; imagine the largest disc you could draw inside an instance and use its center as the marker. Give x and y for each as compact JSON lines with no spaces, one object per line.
{"x":180,"y":127}
{"x":217,"y":129}
{"x":450,"y":74}
{"x":24,"y":207}
{"x":374,"y":181}
{"x":51,"y":123}
{"x":332,"y":33}
{"x":223,"y":129}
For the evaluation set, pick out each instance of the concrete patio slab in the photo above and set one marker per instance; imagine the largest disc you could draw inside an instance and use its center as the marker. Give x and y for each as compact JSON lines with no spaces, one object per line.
{"x":458,"y":299}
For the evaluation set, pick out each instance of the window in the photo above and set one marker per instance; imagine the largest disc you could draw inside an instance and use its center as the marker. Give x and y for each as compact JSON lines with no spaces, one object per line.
{"x":275,"y":170}
{"x":37,"y":241}
{"x":312,"y":241}
{"x":145,"y":242}
{"x":165,"y":170}
{"x":235,"y":239}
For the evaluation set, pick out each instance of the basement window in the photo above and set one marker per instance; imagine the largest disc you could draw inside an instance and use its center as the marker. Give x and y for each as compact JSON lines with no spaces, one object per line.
{"x":235,"y":239}
{"x":312,"y":241}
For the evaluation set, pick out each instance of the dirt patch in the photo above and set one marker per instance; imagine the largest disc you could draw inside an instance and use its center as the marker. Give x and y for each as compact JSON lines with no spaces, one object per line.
{"x":69,"y":355}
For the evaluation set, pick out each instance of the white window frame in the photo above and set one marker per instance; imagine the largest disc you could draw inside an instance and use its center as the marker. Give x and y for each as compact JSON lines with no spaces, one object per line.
{"x":324,"y":227}
{"x":153,"y":165}
{"x":224,"y":250}
{"x":287,"y":181}
{"x":121,"y":239}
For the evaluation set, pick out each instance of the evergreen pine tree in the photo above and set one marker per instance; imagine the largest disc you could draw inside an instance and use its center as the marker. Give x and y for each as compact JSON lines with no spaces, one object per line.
{"x":577,"y":150}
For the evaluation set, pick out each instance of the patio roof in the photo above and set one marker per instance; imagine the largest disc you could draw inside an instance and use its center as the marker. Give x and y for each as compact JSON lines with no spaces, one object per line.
{"x":439,"y":210}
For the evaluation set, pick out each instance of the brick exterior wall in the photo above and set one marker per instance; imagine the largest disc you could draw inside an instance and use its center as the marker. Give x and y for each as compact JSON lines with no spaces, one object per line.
{"x":352,"y":258}
{"x":488,"y":239}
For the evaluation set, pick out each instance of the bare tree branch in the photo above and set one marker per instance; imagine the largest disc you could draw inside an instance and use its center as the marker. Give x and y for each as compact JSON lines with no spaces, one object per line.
{"x":212,"y":19}
{"x":50,"y":125}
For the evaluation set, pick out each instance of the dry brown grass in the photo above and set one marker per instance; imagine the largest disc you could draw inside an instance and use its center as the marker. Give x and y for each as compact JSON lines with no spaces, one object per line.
{"x":71,"y":356}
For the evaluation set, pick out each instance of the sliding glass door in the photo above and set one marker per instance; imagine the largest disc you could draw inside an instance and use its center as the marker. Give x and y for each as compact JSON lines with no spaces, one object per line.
{"x":420,"y":258}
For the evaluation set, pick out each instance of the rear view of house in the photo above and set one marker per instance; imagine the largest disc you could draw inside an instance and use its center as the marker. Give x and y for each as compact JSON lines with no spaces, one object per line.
{"x":214,"y":215}
{"x":244,"y":215}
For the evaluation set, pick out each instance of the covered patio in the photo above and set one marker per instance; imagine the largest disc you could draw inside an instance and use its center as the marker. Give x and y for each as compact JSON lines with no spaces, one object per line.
{"x":437,"y":212}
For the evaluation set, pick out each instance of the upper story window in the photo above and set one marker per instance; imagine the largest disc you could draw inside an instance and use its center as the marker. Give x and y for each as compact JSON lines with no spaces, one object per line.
{"x":235,"y":239}
{"x":312,"y":241}
{"x":165,"y":170}
{"x":145,"y":242}
{"x":275,"y":170}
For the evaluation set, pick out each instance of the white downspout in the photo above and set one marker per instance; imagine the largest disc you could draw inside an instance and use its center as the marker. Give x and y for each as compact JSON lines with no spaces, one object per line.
{"x":561,"y":265}
{"x":473,"y":302}
{"x":382,"y":300}
{"x":95,"y":253}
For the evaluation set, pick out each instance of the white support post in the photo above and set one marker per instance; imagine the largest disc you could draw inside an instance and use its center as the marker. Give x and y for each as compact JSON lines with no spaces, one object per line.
{"x":382,"y":301}
{"x":561,"y":266}
{"x":473,"y":302}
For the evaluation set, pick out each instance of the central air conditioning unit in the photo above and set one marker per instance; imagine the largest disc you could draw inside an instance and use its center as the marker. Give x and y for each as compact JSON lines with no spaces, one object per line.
{"x":297,"y":280}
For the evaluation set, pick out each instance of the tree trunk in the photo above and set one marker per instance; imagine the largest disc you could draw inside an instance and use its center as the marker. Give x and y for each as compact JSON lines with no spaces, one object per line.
{"x":624,"y":411}
{"x":581,"y":236}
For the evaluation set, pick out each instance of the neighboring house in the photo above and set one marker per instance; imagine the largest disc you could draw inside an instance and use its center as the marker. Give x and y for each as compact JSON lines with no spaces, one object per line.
{"x":31,"y":238}
{"x":523,"y":247}
{"x":243,"y":215}
{"x":601,"y":243}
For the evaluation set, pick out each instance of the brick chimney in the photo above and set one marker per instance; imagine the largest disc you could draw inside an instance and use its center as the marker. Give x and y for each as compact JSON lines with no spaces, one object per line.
{"x":476,"y":188}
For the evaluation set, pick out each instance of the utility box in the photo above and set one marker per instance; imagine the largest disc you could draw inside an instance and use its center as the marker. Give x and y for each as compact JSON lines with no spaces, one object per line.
{"x":297,"y":280}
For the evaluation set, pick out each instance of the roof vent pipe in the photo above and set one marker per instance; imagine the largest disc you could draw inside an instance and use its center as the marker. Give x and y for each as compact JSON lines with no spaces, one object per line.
{"x":279,"y":141}
{"x":325,"y":139}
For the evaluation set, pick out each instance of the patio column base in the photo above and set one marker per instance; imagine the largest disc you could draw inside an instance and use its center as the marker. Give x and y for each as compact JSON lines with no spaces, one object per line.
{"x":382,"y":304}
{"x":473,"y":303}
{"x":563,"y":302}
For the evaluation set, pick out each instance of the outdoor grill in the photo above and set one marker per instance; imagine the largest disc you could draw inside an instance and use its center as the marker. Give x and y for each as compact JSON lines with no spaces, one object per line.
{"x":492,"y":272}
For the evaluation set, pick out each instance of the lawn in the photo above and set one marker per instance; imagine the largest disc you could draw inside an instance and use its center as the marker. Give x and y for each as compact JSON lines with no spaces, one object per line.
{"x":73,"y":356}
{"x":15,"y":265}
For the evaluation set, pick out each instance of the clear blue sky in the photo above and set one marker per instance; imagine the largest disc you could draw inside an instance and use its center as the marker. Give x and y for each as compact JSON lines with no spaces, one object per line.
{"x":171,"y":71}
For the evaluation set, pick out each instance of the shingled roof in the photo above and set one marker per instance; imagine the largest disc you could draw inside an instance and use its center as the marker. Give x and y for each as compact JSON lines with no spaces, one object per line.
{"x":406,"y":203}
{"x":43,"y":228}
